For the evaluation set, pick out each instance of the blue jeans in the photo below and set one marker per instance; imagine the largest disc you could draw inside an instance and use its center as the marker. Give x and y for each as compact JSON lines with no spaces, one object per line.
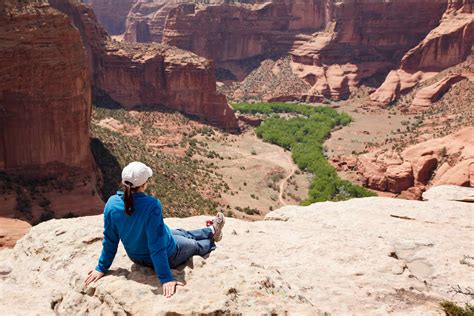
{"x":189,"y":243}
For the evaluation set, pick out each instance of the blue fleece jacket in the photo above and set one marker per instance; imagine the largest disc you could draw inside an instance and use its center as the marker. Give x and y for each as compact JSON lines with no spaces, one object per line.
{"x":144,"y":234}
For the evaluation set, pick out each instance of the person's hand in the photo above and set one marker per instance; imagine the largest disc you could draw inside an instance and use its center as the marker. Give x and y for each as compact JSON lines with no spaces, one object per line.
{"x":169,"y":288}
{"x":93,"y":276}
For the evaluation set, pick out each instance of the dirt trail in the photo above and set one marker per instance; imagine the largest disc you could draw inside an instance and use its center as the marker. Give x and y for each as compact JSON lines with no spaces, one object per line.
{"x":285,"y":180}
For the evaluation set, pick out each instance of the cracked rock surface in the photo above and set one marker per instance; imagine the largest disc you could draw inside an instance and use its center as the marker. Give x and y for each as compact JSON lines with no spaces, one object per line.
{"x":363,"y":256}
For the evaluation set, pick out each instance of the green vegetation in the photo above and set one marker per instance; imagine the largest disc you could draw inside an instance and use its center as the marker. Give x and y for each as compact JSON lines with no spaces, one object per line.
{"x":304,"y":132}
{"x":247,"y":210}
{"x":451,"y":309}
{"x":177,"y":181}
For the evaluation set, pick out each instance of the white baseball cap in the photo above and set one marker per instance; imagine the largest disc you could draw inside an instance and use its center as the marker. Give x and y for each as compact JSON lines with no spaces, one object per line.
{"x":137,"y":173}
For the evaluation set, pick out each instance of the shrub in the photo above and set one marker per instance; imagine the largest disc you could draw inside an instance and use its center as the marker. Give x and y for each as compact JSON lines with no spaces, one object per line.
{"x":451,"y":309}
{"x":46,"y":215}
{"x":23,"y":203}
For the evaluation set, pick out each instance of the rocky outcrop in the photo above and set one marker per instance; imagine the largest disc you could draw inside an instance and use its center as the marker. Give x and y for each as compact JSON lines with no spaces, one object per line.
{"x":446,"y":160}
{"x":425,"y":97}
{"x":112,"y":13}
{"x":445,"y":46}
{"x":45,"y":96}
{"x":363,"y":256}
{"x":136,"y":74}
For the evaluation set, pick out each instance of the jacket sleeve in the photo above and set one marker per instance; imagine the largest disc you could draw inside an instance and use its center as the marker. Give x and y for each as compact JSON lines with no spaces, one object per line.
{"x":157,"y":244}
{"x":109,"y":244}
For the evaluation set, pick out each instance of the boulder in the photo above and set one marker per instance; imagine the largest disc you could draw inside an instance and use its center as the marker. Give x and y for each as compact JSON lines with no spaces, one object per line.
{"x":413,"y":193}
{"x":399,"y":177}
{"x":423,"y":169}
{"x":460,"y":174}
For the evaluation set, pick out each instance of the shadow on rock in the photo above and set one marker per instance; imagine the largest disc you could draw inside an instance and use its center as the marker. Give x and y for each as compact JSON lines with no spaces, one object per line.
{"x":147,"y":275}
{"x":109,"y":168}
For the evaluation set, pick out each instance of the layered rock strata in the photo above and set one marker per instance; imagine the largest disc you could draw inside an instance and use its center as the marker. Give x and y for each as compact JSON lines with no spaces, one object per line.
{"x":230,"y":33}
{"x":46,"y":164}
{"x":136,"y":74}
{"x":446,"y":45}
{"x":364,"y":256}
{"x":45,"y":95}
{"x":362,"y":39}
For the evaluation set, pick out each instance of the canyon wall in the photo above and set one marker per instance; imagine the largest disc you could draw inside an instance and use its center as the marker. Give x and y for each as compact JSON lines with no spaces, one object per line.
{"x":112,"y":13}
{"x":45,"y":96}
{"x":137,"y":74}
{"x":446,"y":45}
{"x":362,"y":39}
{"x":146,"y":20}
{"x":335,"y":46}
{"x":228,"y":32}
{"x":46,"y":165}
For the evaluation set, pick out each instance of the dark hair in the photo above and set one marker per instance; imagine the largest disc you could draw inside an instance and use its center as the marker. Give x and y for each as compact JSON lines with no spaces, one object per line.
{"x":127,"y":197}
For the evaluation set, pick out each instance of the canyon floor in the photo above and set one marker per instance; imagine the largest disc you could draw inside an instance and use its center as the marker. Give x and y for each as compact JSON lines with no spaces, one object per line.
{"x":245,"y":176}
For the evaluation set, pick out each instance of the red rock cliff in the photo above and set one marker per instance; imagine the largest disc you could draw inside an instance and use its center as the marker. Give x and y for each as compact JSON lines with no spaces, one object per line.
{"x":45,"y":97}
{"x":136,"y":74}
{"x":346,"y":41}
{"x":361,"y":39}
{"x":446,"y":45}
{"x":229,"y":32}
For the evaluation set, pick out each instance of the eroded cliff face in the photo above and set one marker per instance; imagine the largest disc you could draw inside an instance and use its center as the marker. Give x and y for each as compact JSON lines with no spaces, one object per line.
{"x":335,"y":46}
{"x":362,"y":39}
{"x":45,"y":95}
{"x":446,"y":45}
{"x":229,"y":33}
{"x":45,"y":108}
{"x":146,"y":20}
{"x":137,"y":74}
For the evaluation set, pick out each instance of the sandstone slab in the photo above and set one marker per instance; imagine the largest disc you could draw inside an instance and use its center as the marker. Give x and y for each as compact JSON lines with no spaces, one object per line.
{"x":364,"y":256}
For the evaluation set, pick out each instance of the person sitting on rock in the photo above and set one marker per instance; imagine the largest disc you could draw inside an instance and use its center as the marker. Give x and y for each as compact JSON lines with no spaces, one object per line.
{"x":136,"y":219}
